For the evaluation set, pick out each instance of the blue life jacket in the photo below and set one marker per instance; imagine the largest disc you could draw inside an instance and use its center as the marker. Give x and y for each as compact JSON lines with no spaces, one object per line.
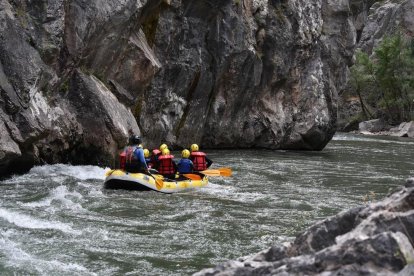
{"x":185,"y":166}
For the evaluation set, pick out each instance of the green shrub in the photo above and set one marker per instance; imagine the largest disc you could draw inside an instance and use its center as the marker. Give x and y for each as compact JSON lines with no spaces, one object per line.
{"x":385,"y":80}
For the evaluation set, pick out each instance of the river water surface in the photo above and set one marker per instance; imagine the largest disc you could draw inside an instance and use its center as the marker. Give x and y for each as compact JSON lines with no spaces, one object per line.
{"x":58,"y":220}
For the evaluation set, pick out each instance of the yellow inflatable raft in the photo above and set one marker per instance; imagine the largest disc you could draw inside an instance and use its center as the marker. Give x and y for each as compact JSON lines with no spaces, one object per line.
{"x":118,"y":179}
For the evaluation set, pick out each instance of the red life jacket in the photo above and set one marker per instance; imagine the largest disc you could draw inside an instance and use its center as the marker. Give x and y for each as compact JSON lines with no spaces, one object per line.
{"x":154,"y":158}
{"x":132,"y":164}
{"x":166,"y":164}
{"x":122,"y":160}
{"x":199,"y":160}
{"x":127,"y":159}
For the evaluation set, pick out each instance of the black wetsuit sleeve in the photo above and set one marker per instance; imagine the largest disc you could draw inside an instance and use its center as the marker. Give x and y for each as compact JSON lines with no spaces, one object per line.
{"x":209,"y":162}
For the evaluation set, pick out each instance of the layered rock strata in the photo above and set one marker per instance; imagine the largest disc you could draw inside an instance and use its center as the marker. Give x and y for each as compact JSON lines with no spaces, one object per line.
{"x":373,"y":240}
{"x":77,"y":76}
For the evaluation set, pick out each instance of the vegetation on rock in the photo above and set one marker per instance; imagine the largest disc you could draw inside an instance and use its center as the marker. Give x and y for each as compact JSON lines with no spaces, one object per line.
{"x":384,"y":82}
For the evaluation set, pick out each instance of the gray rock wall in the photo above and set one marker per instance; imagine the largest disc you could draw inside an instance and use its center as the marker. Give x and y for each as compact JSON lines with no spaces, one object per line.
{"x":376,"y":239}
{"x":374,"y":20}
{"x":77,"y":76}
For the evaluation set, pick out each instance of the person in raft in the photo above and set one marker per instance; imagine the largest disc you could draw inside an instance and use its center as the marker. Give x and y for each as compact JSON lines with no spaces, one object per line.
{"x":156,"y":153}
{"x":200,"y":161}
{"x":185,"y":165}
{"x":154,"y":158}
{"x":134,"y":156}
{"x":167,"y":166}
{"x":147,"y":158}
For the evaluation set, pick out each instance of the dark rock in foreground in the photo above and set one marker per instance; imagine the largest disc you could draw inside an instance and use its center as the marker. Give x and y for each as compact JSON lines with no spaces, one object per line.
{"x":372,"y":240}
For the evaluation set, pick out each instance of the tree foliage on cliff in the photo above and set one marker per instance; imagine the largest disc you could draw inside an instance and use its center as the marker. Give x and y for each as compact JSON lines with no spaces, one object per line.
{"x":384,"y":81}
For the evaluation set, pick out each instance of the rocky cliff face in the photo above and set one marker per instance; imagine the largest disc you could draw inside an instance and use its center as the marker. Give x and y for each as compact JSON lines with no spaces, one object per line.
{"x":375,"y":20}
{"x":76,"y":76}
{"x":372,"y":240}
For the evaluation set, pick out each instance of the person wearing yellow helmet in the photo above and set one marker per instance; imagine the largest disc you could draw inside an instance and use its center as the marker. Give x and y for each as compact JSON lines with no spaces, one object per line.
{"x":194,"y":147}
{"x":166,"y":164}
{"x":147,"y":157}
{"x":163,"y":146}
{"x":200,"y":161}
{"x":185,"y":153}
{"x":185,"y":165}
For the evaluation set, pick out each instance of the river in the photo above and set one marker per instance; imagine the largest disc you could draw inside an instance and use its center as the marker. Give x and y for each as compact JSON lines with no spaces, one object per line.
{"x":58,"y":219}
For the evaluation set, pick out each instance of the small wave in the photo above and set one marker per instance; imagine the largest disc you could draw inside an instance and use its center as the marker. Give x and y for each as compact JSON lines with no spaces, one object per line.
{"x":62,"y":195}
{"x":26,"y":221}
{"x":233,"y":194}
{"x":19,"y":258}
{"x":79,"y":172}
{"x":58,"y":173}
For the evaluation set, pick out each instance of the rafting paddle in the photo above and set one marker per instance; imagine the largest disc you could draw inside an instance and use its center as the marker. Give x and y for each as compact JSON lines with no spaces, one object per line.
{"x":192,"y":176}
{"x":218,"y":172}
{"x":159,"y":184}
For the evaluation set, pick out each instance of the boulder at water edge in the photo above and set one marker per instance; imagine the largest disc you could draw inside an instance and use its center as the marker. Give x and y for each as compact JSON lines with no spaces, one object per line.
{"x":373,"y":240}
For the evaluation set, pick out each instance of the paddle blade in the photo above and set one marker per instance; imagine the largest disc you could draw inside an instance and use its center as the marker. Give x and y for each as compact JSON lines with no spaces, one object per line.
{"x":218,"y":172}
{"x":211,"y":172}
{"x":225,"y":172}
{"x":159,"y":183}
{"x":109,"y":172}
{"x":192,"y":176}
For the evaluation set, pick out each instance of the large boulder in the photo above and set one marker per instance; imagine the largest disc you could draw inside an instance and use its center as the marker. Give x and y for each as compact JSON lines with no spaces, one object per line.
{"x":248,"y":73}
{"x":220,"y":73}
{"x":372,"y":126}
{"x":373,"y":240}
{"x":405,"y":129}
{"x":50,"y":110}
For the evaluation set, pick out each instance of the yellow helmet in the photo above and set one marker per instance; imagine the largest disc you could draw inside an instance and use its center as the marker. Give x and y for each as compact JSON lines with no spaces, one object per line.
{"x":163,"y":146}
{"x":166,"y":151}
{"x":185,"y":153}
{"x":146,"y":153}
{"x":194,"y":147}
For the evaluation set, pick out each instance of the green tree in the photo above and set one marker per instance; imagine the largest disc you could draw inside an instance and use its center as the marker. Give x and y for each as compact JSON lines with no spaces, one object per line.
{"x":385,"y":80}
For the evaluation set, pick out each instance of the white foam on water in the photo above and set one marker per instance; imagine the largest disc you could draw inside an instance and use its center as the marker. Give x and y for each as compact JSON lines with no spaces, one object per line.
{"x":232,"y":193}
{"x":58,"y":173}
{"x":212,"y":188}
{"x":376,"y":139}
{"x":16,"y":257}
{"x":60,"y":195}
{"x":26,"y":221}
{"x":79,"y":172}
{"x":18,"y":179}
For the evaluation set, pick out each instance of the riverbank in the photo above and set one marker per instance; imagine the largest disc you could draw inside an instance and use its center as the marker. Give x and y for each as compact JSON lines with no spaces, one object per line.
{"x":369,"y":240}
{"x":381,"y":128}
